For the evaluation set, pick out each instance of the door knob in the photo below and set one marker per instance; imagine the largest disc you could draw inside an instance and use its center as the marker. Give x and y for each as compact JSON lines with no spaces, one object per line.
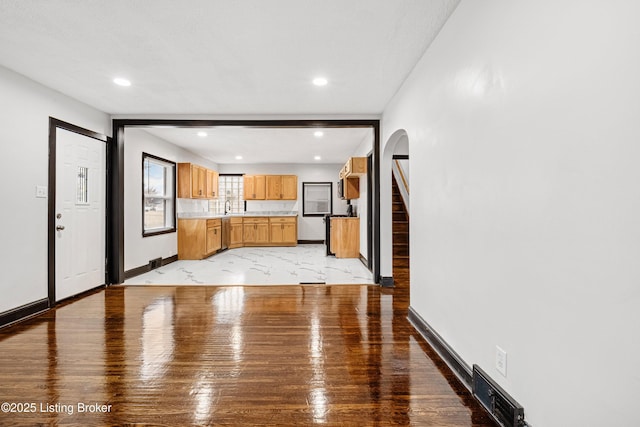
{"x":59,"y":227}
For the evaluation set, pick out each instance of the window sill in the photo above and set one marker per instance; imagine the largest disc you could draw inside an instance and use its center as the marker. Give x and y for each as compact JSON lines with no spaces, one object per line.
{"x":158,"y":231}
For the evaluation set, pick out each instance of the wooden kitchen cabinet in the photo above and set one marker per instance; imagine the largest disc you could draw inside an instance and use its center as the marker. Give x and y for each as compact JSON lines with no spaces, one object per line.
{"x":274,"y":187}
{"x":283,"y":231}
{"x":282,"y":187}
{"x":355,"y":166}
{"x":345,"y":237}
{"x":248,"y":233}
{"x":198,"y":238}
{"x":236,"y":240}
{"x":212,"y":184}
{"x":214,"y":238}
{"x":254,"y":187}
{"x":351,"y":188}
{"x":255,"y":231}
{"x":289,"y":187}
{"x":196,"y":182}
{"x":270,"y":187}
{"x":350,"y":177}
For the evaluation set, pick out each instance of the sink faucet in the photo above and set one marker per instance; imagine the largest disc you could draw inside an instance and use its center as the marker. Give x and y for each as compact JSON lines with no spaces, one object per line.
{"x":227,"y":207}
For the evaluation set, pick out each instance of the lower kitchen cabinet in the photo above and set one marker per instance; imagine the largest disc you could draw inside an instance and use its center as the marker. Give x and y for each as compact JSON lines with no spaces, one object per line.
{"x":236,"y":233}
{"x":199,"y":238}
{"x":255,"y":231}
{"x":283,"y":231}
{"x":345,"y":237}
{"x":214,"y":239}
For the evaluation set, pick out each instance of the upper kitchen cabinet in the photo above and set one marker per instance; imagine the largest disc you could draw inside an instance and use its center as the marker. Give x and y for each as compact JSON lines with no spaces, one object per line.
{"x":351,"y":188}
{"x":196,"y":182}
{"x":254,"y":187}
{"x":212,"y":184}
{"x":289,"y":187}
{"x":355,"y":166}
{"x":350,"y":177}
{"x":282,"y":187}
{"x":270,"y":187}
{"x":192,"y":181}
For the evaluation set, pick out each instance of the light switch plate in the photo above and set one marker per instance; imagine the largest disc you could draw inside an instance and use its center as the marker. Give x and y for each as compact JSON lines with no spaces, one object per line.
{"x":41,"y":191}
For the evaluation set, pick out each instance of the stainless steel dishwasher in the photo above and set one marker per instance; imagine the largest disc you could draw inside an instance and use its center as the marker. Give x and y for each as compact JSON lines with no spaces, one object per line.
{"x":226,"y":233}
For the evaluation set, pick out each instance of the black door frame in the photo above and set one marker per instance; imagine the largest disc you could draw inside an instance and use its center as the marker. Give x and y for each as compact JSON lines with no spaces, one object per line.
{"x":54,"y":125}
{"x":115,"y":223}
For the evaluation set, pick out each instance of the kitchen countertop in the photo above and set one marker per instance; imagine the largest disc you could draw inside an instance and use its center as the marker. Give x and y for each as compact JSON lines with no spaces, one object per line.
{"x":207,"y":215}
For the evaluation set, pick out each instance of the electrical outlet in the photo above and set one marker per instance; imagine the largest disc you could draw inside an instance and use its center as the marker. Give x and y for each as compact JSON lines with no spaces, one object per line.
{"x":501,"y":361}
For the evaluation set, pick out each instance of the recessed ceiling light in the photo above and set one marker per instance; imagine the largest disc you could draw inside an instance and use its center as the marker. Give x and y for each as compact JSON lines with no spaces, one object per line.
{"x":320,"y":81}
{"x":202,"y":134}
{"x":238,"y":157}
{"x":318,"y":134}
{"x":317,"y":158}
{"x":121,"y":82}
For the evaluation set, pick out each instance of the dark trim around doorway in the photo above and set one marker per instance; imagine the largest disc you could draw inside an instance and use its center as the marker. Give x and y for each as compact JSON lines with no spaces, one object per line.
{"x":51,"y":244}
{"x":376,"y":206}
{"x":115,"y":188}
{"x":370,"y":197}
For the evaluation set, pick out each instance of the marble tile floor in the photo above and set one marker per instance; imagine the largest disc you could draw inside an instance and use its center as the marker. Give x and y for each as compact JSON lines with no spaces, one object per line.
{"x":260,"y":266}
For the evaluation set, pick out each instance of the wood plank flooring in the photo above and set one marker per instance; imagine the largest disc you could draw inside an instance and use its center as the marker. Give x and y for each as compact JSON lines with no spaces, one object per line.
{"x":238,"y":356}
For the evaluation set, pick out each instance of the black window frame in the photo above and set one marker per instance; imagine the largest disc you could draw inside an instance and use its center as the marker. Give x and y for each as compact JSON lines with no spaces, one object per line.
{"x":304,"y":214}
{"x":165,"y":230}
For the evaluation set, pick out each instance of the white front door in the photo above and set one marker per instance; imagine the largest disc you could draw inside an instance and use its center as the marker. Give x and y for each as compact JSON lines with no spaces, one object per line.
{"x":80,"y":213}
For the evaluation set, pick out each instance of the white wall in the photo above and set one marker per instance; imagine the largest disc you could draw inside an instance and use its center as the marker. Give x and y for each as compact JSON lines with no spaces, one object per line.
{"x":309,"y":228}
{"x":139,"y":250}
{"x":24,"y":155}
{"x":523,"y":120}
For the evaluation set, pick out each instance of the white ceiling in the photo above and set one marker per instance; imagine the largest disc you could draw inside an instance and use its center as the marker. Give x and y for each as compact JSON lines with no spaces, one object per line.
{"x":268,"y":145}
{"x":225,"y":57}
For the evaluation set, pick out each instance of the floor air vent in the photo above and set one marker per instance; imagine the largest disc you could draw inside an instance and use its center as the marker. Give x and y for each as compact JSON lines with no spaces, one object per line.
{"x":155,"y":263}
{"x":503,"y":407}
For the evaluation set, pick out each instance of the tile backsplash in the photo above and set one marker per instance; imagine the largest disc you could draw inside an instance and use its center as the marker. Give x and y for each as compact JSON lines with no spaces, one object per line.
{"x":272,"y":206}
{"x":191,"y":205}
{"x":217,"y":206}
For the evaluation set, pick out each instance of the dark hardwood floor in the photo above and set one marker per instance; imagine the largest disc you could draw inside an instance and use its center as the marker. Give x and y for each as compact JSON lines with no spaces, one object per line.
{"x":341,"y":355}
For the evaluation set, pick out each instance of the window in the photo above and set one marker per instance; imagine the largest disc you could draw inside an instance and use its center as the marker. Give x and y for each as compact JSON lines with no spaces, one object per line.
{"x":317,"y":198}
{"x":82,"y":186}
{"x":158,"y":195}
{"x":231,"y":189}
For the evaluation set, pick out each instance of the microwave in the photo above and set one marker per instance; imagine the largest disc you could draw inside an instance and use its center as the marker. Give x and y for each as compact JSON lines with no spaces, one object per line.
{"x":340,"y":185}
